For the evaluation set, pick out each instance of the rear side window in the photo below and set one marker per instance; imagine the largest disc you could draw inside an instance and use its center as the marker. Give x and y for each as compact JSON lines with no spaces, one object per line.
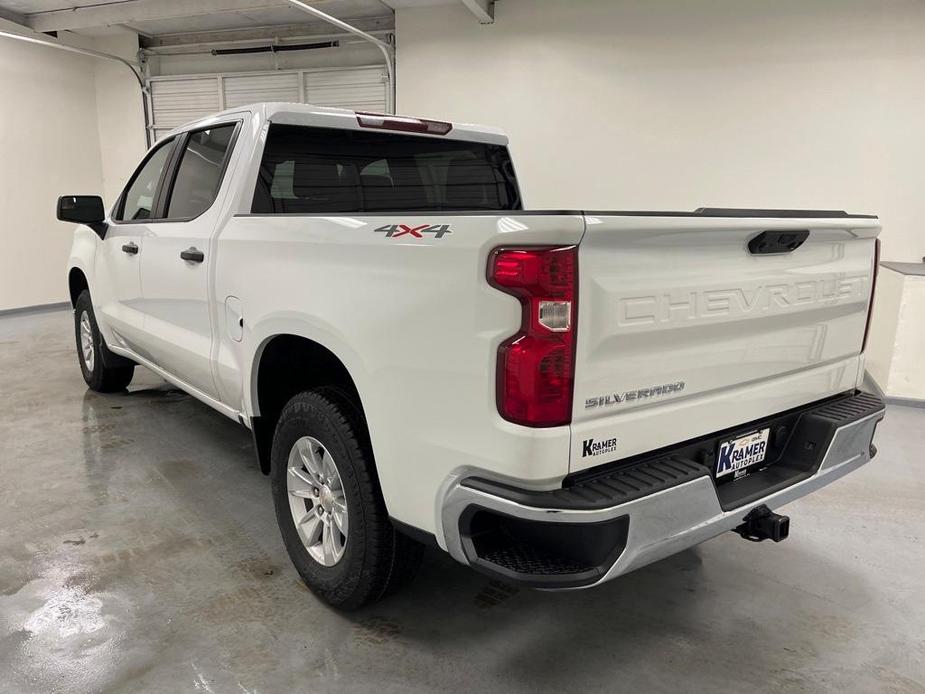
{"x":138,"y":199}
{"x":200,"y":172}
{"x":323,"y":170}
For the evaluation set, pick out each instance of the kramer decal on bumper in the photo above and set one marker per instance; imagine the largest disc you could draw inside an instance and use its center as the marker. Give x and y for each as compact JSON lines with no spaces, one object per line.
{"x":591,"y":448}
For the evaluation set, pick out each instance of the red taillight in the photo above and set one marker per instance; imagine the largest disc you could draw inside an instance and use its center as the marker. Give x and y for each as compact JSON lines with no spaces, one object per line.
{"x":382,"y":121}
{"x":536,"y":366}
{"x":873,"y":288}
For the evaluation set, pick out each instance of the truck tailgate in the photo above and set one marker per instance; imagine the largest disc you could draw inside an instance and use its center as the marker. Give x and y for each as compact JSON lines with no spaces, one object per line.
{"x":683,"y":331}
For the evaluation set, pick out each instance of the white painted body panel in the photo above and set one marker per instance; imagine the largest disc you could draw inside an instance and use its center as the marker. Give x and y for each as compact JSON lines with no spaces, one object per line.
{"x":667,"y":300}
{"x":417,"y":325}
{"x":118,"y":281}
{"x":176,"y":301}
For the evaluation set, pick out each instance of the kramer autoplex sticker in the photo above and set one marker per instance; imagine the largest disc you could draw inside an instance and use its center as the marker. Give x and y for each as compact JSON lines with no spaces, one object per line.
{"x":591,"y":448}
{"x":394,"y":231}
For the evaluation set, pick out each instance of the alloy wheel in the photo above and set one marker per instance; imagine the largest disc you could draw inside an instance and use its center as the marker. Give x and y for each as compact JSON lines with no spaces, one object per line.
{"x":317,"y":500}
{"x":86,"y":341}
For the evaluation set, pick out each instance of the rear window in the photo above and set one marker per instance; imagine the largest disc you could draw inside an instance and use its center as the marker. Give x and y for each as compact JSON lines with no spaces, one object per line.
{"x":324,"y":170}
{"x":200,"y":172}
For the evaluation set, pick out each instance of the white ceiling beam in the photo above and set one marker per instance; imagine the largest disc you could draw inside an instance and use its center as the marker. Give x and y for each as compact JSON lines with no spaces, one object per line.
{"x":277,"y":31}
{"x":484,"y":10}
{"x":136,"y":30}
{"x":13,"y":17}
{"x":132,"y":11}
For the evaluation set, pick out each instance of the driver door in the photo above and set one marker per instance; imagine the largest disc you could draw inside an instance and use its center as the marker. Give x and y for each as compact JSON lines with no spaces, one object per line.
{"x":117,"y":286}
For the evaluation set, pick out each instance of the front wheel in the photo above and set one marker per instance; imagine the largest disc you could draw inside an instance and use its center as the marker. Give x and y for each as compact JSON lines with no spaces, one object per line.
{"x":329,"y":507}
{"x":91,"y":349}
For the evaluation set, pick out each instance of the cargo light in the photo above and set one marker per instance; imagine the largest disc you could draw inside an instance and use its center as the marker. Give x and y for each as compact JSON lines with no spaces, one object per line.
{"x":535,"y":371}
{"x":873,"y":288}
{"x":382,"y":121}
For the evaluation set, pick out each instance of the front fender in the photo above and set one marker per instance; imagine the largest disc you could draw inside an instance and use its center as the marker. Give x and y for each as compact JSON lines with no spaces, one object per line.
{"x":83,"y":256}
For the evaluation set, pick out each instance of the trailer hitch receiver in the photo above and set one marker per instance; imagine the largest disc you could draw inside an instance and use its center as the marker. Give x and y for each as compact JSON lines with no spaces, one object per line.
{"x":762,"y":523}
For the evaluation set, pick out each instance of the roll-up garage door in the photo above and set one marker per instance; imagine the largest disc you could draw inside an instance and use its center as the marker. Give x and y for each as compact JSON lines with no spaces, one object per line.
{"x":176,"y":100}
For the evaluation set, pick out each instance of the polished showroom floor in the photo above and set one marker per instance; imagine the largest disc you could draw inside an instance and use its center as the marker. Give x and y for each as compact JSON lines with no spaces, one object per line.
{"x":139,"y":553}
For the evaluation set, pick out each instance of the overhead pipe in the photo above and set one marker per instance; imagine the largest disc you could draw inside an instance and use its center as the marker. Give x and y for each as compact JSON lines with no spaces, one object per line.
{"x":388,"y":51}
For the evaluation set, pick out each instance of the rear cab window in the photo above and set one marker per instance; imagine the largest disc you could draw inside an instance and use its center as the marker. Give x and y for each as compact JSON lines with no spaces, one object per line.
{"x":324,"y":170}
{"x":199,"y":174}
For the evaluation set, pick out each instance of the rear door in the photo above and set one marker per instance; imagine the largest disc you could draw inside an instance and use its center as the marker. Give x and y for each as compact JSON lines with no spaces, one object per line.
{"x":177,"y":258}
{"x":685,"y":330}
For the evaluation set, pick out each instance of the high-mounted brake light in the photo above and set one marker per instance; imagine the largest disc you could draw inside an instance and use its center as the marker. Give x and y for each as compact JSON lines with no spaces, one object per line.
{"x":382,"y":121}
{"x":536,"y":365}
{"x":873,"y":288}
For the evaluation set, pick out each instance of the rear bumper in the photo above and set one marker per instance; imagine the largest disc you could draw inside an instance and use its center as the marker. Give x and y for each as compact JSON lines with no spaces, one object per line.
{"x":623,"y":518}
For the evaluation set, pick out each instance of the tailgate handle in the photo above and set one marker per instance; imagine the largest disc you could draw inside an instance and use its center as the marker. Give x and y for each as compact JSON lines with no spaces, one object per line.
{"x":777,"y":241}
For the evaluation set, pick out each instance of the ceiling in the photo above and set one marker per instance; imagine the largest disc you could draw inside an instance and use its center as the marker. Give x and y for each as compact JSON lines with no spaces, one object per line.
{"x":157,"y":18}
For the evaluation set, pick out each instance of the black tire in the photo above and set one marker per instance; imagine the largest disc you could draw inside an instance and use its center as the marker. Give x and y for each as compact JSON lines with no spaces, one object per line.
{"x":377,"y":559}
{"x":101,"y":378}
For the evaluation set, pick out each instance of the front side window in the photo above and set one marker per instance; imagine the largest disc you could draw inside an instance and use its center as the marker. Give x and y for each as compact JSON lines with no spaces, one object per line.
{"x":199,"y":175}
{"x":323,"y":170}
{"x":138,"y":201}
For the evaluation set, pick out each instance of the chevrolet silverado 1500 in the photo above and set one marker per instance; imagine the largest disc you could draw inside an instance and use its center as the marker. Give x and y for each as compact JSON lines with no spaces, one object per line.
{"x":555,"y":398}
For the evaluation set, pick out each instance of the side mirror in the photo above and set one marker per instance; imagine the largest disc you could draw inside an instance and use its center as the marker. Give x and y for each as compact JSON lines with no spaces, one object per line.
{"x":83,"y":209}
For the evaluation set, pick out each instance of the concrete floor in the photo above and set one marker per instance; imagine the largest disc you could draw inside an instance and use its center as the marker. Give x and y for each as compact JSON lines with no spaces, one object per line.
{"x":139,"y":553}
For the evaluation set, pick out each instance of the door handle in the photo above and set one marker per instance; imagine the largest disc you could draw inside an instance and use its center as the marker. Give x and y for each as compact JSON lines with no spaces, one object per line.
{"x":130,"y":248}
{"x":192,"y":254}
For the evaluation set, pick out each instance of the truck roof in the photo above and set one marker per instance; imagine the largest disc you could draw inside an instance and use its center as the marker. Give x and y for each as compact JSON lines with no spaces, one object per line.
{"x":328,"y":117}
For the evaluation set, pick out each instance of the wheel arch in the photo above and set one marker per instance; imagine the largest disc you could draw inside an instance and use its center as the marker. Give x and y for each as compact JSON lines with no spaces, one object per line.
{"x":76,"y":283}
{"x":81,"y":261}
{"x":287,"y":363}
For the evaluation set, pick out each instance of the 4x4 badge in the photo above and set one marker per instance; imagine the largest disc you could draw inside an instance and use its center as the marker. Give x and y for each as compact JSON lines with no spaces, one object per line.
{"x":393,"y":231}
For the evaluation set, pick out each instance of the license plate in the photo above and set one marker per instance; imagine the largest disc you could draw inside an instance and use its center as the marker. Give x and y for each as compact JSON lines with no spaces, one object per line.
{"x":738,"y":454}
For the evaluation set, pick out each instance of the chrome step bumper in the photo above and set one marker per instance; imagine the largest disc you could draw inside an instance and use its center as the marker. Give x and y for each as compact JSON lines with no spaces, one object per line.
{"x":680,"y":508}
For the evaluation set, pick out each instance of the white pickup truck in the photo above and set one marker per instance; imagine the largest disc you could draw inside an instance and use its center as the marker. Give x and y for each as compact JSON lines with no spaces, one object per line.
{"x":555,"y":398}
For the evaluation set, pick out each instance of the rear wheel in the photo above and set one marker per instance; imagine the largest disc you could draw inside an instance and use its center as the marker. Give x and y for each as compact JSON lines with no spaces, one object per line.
{"x":329,"y":507}
{"x":93,"y":354}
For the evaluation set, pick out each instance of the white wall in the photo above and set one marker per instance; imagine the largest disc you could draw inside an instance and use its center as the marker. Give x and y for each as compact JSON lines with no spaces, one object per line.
{"x":609,"y":103}
{"x":120,"y":114}
{"x":907,"y":372}
{"x":74,"y":124}
{"x":896,"y":346}
{"x":883,"y":326}
{"x":68,"y":124}
{"x":614,"y":104}
{"x":49,"y":145}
